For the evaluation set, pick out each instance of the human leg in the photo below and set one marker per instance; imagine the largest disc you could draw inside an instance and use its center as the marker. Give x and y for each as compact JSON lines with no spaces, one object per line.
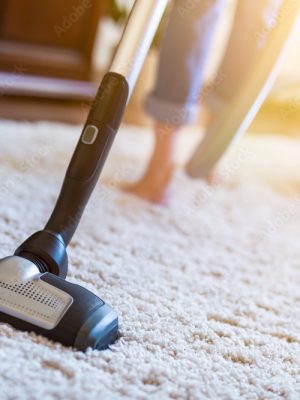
{"x":175,"y":97}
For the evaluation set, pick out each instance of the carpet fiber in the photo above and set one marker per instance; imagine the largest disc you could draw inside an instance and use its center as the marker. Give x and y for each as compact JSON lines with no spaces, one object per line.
{"x":207,"y":288}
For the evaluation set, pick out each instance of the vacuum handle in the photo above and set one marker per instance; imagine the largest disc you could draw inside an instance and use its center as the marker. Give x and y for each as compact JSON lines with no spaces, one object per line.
{"x":100,"y":128}
{"x":90,"y":155}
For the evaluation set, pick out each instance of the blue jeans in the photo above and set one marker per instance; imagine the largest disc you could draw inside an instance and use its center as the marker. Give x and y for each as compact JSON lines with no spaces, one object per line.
{"x":185,"y":49}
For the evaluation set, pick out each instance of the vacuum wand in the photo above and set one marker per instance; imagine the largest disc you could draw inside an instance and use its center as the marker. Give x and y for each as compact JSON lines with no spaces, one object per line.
{"x":137,"y":38}
{"x":105,"y":117}
{"x":34,"y":295}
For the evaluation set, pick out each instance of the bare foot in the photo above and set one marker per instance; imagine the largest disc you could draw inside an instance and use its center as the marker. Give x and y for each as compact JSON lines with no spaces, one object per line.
{"x":152,"y":187}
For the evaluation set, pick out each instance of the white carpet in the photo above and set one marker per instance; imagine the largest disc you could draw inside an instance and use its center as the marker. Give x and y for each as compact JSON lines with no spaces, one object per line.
{"x":207,"y":288}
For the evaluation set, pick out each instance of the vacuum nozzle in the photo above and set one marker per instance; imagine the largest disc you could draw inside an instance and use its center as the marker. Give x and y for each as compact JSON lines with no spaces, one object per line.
{"x":52,"y":307}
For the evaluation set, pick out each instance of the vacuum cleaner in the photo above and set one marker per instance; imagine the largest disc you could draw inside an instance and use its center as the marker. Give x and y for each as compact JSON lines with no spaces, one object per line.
{"x":34,"y":293}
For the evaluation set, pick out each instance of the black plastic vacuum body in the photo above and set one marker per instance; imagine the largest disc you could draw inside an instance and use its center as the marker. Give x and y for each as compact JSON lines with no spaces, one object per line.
{"x":44,"y":302}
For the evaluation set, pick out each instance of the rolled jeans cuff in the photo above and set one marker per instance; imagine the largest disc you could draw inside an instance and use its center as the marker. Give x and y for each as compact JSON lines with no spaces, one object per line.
{"x":167,"y":112}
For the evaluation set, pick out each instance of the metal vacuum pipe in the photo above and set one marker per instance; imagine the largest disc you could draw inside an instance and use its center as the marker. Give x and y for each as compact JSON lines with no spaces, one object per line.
{"x":141,"y":27}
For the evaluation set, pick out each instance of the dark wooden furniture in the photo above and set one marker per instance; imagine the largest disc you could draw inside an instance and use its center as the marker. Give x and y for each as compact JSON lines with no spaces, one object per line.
{"x":46,"y":56}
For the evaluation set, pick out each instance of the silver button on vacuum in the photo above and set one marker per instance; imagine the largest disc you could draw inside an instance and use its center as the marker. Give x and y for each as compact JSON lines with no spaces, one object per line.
{"x":90,"y":134}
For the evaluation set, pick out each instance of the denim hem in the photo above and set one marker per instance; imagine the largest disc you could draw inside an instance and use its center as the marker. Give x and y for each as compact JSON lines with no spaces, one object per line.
{"x":167,"y":112}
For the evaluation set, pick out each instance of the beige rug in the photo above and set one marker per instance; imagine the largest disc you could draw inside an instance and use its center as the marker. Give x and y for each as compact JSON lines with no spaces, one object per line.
{"x":207,"y":288}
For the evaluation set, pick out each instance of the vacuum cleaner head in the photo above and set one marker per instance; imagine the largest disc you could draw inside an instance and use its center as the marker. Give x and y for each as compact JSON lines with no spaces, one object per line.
{"x":53,"y":307}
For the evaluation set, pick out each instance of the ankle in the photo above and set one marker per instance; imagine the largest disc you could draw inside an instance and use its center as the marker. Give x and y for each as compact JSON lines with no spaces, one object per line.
{"x":159,"y":174}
